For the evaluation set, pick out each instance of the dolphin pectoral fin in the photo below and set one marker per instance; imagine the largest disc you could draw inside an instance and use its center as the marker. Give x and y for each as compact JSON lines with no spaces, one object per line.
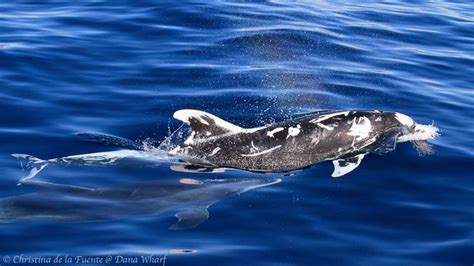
{"x":190,"y":218}
{"x":189,"y":168}
{"x":386,"y":143}
{"x":346,"y":165}
{"x":204,"y":124}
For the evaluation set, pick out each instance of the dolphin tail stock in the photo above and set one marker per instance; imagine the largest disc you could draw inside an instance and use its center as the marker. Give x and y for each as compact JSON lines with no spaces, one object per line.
{"x":30,"y":163}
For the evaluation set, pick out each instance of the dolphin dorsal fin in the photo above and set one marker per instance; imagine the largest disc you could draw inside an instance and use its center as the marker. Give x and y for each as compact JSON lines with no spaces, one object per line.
{"x":204,"y":124}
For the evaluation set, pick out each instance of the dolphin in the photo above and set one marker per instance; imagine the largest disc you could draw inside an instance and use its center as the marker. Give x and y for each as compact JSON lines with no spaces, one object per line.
{"x":213,"y":144}
{"x":343,"y":137}
{"x":189,"y":198}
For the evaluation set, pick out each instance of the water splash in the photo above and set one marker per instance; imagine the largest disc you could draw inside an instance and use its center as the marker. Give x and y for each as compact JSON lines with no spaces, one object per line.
{"x":170,"y":142}
{"x":422,"y":132}
{"x":420,"y":137}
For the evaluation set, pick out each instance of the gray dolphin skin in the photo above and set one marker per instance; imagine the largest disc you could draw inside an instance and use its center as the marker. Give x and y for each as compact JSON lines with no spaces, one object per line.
{"x":188,"y":198}
{"x":343,"y":137}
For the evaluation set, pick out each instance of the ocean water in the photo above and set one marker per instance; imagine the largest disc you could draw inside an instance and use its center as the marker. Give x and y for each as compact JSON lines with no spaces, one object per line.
{"x":124,"y":67}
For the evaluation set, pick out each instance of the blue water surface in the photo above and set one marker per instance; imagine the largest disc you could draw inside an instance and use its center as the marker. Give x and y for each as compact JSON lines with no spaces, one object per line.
{"x":124,"y":68}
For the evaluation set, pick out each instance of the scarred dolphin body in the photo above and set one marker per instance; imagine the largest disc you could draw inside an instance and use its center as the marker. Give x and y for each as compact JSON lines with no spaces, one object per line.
{"x":213,"y":144}
{"x":342,"y":137}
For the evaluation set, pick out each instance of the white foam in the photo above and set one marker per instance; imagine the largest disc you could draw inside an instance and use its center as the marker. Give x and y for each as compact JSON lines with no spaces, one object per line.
{"x":421,"y":132}
{"x":175,"y":151}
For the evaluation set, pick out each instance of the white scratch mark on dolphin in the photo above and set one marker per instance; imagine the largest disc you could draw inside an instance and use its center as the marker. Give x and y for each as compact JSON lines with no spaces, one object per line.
{"x":293,"y":131}
{"x":214,"y":151}
{"x":325,"y":126}
{"x":315,"y":140}
{"x":270,"y":133}
{"x":252,"y":130}
{"x":325,"y":117}
{"x":360,"y":128}
{"x":262,"y":152}
{"x":253,"y":146}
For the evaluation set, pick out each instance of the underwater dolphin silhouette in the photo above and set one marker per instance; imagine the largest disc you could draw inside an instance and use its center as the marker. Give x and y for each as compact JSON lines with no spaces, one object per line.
{"x":212,"y":144}
{"x":189,"y":198}
{"x":342,"y":137}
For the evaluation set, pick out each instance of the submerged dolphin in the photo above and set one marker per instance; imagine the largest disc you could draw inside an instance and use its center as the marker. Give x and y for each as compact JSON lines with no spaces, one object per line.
{"x":212,"y":143}
{"x":343,"y":137}
{"x":189,"y":198}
